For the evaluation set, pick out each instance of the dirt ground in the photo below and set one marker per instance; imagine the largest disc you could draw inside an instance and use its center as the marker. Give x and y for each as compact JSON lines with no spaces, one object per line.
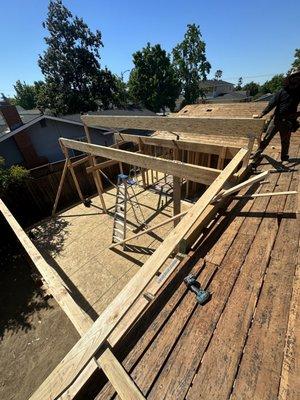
{"x":35,"y":333}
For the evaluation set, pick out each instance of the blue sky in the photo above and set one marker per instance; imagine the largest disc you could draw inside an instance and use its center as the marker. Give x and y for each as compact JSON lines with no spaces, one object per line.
{"x":253,"y":39}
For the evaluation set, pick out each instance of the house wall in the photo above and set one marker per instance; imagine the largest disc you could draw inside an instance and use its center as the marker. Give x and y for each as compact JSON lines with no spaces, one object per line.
{"x":10,"y":152}
{"x":44,"y":136}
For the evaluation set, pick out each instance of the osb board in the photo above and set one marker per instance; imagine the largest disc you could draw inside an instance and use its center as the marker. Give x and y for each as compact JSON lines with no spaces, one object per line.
{"x":77,"y":244}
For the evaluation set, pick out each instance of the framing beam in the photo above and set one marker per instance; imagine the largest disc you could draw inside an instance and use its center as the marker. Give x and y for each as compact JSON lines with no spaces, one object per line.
{"x":194,"y":173}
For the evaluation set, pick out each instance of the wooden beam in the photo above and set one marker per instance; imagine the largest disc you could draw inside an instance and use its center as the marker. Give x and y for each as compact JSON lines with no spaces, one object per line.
{"x":118,"y":377}
{"x":83,"y":351}
{"x":79,"y":162}
{"x":152,"y":228}
{"x":102,"y":165}
{"x":200,"y":147}
{"x":194,"y":173}
{"x":240,"y":127}
{"x":271,"y":194}
{"x":236,"y":188}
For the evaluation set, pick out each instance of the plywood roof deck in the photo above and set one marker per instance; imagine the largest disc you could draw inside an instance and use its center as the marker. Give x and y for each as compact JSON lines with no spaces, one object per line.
{"x":243,"y":343}
{"x":76,"y":244}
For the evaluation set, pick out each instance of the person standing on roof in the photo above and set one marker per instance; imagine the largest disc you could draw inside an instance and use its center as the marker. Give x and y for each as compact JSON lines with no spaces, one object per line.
{"x":284,"y":120}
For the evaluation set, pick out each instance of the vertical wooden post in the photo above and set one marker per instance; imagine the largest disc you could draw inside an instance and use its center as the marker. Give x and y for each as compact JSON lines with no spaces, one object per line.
{"x":96,"y":176}
{"x":176,"y":190}
{"x":141,"y":149}
{"x":117,"y":145}
{"x":250,"y":147}
{"x":221,"y":158}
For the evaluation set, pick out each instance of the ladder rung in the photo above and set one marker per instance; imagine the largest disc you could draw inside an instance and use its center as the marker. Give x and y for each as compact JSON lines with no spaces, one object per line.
{"x":119,"y":230}
{"x":120,"y":215}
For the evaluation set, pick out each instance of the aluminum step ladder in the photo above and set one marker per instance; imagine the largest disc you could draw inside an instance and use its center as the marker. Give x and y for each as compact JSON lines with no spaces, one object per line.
{"x":125,"y":194}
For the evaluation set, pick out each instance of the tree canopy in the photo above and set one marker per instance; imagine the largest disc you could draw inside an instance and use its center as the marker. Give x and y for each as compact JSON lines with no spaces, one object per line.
{"x":153,"y":81}
{"x":252,"y":88}
{"x":190,"y":61}
{"x":296,"y":62}
{"x":218,"y":74}
{"x":27,"y":95}
{"x":274,"y":84}
{"x":74,"y":81}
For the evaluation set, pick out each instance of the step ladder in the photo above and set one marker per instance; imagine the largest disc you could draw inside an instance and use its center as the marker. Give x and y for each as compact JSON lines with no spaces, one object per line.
{"x":125,"y":195}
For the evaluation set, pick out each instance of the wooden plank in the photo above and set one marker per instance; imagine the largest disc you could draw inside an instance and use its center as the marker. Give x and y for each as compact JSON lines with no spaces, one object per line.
{"x":271,"y":194}
{"x":74,"y":362}
{"x":195,"y":173}
{"x":152,"y":228}
{"x":81,"y":161}
{"x":60,"y":186}
{"x":102,"y":165}
{"x":236,"y":188}
{"x":240,"y":127}
{"x":179,"y":144}
{"x":118,"y":377}
{"x":171,"y":383}
{"x":260,"y":369}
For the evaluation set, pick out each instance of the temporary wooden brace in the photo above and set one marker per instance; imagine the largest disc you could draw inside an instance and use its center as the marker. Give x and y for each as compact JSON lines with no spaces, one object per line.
{"x":271,"y":194}
{"x":96,"y":176}
{"x":102,"y":165}
{"x":236,"y":188}
{"x":68,"y":165}
{"x":176,"y":217}
{"x":195,"y":173}
{"x":240,"y":127}
{"x":75,"y":361}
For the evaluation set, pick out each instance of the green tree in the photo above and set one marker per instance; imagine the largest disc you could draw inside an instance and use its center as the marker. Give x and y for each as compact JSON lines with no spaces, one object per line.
{"x":274,"y":84}
{"x":239,"y":85}
{"x":13,"y":177}
{"x":218,"y":74}
{"x":27,"y":95}
{"x":189,"y":58}
{"x":153,"y":81}
{"x":252,"y":88}
{"x":296,"y":62}
{"x":71,"y":65}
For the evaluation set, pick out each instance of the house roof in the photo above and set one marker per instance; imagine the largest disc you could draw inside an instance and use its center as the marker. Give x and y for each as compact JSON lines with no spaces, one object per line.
{"x":7,"y":134}
{"x":214,"y":82}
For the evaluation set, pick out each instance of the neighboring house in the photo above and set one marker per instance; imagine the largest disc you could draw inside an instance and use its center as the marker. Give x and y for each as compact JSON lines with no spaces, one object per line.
{"x":216,"y":87}
{"x":26,"y":116}
{"x":36,"y":142}
{"x":232,"y":97}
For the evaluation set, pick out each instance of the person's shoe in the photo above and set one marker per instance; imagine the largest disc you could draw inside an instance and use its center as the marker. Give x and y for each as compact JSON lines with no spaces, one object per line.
{"x":285,"y":158}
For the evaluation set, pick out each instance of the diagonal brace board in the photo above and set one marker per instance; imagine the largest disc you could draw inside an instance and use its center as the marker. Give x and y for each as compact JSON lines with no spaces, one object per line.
{"x":79,"y":356}
{"x":194,"y":173}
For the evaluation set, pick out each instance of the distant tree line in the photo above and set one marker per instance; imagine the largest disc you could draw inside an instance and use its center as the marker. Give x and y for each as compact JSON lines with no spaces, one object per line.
{"x":74,"y":80}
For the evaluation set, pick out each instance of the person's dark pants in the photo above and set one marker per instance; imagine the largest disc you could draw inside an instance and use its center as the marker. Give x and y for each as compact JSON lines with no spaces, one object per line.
{"x":284,"y":128}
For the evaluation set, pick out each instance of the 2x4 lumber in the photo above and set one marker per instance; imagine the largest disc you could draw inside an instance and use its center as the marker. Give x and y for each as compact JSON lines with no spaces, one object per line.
{"x":179,"y":144}
{"x":118,"y":377}
{"x":102,"y":165}
{"x":270,"y":194}
{"x":81,"y":161}
{"x":175,"y":217}
{"x":236,"y":188}
{"x":240,"y":127}
{"x":60,"y":186}
{"x":195,"y":173}
{"x":74,"y":362}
